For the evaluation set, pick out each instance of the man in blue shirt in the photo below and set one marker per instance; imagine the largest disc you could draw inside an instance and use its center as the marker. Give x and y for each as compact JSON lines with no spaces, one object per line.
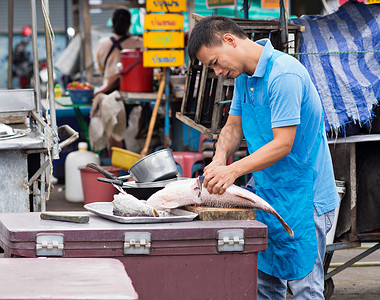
{"x":277,"y":109}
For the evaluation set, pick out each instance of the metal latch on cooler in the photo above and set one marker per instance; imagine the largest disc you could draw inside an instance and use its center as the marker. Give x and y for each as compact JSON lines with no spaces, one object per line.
{"x":230,"y":240}
{"x":49,"y":244}
{"x":137,"y":243}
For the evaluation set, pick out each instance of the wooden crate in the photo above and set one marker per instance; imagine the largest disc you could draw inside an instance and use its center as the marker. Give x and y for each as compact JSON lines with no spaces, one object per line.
{"x":207,"y":98}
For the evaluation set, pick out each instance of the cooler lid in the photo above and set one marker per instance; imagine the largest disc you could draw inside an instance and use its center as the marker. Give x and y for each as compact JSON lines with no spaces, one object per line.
{"x":23,"y":228}
{"x":64,"y":278}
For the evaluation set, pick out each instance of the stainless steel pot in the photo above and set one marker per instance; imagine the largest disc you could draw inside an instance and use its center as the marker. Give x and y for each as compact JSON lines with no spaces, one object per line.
{"x":159,"y":165}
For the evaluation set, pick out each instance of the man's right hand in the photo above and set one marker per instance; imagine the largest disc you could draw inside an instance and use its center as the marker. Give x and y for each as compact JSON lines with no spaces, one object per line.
{"x":218,"y":178}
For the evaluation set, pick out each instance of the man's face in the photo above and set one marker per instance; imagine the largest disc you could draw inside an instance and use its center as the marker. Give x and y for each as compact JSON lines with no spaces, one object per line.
{"x":222,"y":59}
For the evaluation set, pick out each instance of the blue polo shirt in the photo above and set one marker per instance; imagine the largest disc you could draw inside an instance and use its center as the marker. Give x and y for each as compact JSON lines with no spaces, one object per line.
{"x":293,"y":100}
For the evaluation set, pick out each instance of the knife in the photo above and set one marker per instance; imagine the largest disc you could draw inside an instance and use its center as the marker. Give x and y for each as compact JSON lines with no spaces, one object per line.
{"x":200,"y":184}
{"x":65,"y":217}
{"x":201,"y":179}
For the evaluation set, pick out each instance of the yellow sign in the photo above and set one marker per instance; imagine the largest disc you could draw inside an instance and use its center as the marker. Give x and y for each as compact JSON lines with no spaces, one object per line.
{"x":163,"y":22}
{"x":372,"y":1}
{"x":163,"y":58}
{"x":273,"y":4}
{"x":166,"y":39}
{"x":167,"y":6}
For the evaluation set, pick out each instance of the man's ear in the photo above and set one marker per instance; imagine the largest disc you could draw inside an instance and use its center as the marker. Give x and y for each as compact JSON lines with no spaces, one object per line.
{"x":229,"y":39}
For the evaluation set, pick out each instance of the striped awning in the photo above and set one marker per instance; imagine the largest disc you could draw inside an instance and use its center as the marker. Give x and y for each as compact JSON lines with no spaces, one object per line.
{"x":341,"y":51}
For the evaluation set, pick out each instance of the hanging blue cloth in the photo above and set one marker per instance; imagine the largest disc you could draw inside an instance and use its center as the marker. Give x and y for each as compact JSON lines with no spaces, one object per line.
{"x":346,"y":70}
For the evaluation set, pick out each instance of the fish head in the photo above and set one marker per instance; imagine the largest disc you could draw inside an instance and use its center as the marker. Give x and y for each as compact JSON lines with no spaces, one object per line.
{"x":176,"y":194}
{"x":127,"y":205}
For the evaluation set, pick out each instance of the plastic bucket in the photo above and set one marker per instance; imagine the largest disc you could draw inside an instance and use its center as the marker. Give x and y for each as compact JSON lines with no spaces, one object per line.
{"x":133,"y":76}
{"x":94,"y":190}
{"x":123,"y":158}
{"x":340,"y":186}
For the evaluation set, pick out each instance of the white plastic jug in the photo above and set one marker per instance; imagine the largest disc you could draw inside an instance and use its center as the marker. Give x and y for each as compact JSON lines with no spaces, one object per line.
{"x":73,"y":181}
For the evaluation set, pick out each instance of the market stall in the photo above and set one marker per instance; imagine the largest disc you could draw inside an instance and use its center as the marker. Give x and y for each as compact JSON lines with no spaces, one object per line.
{"x":180,"y":250}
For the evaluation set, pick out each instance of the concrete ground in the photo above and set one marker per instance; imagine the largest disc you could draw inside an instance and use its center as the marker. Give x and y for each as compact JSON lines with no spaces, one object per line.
{"x":362,"y":282}
{"x":357,"y":282}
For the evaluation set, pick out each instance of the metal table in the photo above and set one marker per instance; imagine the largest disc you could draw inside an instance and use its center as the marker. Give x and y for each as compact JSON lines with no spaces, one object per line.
{"x":24,"y":156}
{"x":14,"y":196}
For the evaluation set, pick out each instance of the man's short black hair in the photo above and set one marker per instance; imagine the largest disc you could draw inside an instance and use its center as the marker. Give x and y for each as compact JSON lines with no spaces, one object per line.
{"x":209,"y":32}
{"x":121,"y":20}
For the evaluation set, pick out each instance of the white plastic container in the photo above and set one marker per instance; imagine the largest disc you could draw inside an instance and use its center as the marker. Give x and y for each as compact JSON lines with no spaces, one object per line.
{"x":340,"y":186}
{"x":73,"y":181}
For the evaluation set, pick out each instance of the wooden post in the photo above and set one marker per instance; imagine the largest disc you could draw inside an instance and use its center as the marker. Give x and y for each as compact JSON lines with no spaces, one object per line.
{"x":75,"y":9}
{"x":88,"y":62}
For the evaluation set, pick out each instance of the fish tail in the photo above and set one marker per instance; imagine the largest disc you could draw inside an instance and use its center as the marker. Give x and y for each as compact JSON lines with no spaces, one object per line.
{"x":284,"y":224}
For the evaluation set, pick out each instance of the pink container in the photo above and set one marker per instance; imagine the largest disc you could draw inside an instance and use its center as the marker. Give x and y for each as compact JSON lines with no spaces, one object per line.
{"x":64,"y":279}
{"x":94,"y":190}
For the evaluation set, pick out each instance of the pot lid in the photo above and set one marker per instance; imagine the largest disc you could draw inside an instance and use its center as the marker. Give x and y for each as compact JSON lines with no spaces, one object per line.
{"x":158,"y":184}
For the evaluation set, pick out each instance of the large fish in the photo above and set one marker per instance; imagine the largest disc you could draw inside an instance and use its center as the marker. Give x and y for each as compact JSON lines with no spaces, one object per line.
{"x":190,"y":192}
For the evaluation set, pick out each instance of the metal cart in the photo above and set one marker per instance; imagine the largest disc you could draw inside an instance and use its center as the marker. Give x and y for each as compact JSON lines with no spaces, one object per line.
{"x":345,"y":152}
{"x":28,"y":151}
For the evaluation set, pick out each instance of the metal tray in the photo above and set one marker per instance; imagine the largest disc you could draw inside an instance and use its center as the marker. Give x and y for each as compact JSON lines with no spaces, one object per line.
{"x":104,"y":209}
{"x":12,"y":136}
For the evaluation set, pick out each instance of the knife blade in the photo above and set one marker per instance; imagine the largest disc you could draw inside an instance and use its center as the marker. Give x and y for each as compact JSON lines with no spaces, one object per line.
{"x":200,"y":184}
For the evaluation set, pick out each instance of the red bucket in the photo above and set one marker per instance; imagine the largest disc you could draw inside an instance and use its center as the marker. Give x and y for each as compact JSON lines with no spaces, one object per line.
{"x":133,"y":76}
{"x":94,"y":190}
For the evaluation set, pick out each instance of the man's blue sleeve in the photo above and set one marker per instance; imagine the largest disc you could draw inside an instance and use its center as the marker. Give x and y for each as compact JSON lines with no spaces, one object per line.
{"x":286,"y":93}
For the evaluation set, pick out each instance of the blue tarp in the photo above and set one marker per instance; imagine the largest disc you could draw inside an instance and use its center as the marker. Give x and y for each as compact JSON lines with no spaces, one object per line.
{"x":348,"y":81}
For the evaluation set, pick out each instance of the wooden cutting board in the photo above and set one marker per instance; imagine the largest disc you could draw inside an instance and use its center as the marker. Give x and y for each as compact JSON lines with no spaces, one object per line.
{"x":206,"y":213}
